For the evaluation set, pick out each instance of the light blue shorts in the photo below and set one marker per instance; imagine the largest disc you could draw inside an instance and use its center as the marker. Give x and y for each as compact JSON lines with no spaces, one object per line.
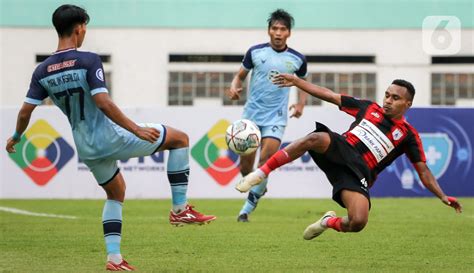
{"x":272,"y":131}
{"x":105,"y":169}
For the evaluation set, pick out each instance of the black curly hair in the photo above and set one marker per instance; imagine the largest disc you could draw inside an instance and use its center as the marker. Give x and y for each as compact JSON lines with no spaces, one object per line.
{"x":281,"y":16}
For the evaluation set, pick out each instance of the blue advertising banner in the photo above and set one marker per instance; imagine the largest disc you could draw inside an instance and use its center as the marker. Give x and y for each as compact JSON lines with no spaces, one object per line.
{"x":447,"y":135}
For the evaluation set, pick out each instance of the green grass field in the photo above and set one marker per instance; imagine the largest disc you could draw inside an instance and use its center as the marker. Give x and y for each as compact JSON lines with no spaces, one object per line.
{"x":403,"y":235}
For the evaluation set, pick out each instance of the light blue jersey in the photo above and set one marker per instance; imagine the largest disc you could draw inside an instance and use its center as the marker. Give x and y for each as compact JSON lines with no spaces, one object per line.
{"x":267,"y":104}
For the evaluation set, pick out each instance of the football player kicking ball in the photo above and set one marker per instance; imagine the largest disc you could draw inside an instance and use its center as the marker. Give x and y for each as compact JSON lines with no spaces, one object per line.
{"x":351,"y":161}
{"x":75,"y":82}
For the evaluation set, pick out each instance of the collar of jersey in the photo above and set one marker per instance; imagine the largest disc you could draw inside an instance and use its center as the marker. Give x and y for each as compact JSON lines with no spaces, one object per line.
{"x":278,"y":51}
{"x":64,"y":50}
{"x":399,"y":121}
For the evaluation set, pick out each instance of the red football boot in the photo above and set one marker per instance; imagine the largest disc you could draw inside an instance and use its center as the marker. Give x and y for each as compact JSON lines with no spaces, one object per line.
{"x":189,"y":216}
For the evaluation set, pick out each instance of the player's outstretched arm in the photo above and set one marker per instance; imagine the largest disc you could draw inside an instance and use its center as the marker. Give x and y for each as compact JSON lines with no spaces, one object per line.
{"x":236,"y":86}
{"x":430,"y":182}
{"x":22,"y":122}
{"x":287,"y":80}
{"x":106,"y":105}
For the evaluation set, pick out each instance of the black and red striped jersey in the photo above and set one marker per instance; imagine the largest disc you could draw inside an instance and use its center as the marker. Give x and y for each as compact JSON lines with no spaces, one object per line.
{"x":378,"y":138}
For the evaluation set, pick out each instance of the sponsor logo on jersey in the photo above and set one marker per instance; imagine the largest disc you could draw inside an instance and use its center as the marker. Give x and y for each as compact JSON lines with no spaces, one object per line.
{"x":212,"y":154}
{"x":377,"y":142}
{"x":375,"y":114}
{"x":42,"y":152}
{"x":59,"y":66}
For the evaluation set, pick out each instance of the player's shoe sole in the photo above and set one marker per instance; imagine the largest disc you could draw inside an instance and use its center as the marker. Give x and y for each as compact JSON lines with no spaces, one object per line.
{"x":248,"y":181}
{"x":182,"y":224}
{"x":123,"y":266}
{"x":316,"y":229}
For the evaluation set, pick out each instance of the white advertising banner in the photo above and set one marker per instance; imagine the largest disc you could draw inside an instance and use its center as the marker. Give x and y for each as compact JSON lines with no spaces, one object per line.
{"x":46,"y":164}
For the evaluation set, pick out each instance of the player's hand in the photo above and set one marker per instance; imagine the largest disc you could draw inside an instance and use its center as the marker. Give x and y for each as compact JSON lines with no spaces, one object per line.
{"x":234,"y":93}
{"x":297,"y":109}
{"x":149,"y":134}
{"x":452,"y":202}
{"x":11,"y":145}
{"x":284,"y":80}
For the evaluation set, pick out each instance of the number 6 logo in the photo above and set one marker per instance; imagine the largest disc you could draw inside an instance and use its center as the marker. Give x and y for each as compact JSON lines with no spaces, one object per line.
{"x":441,"y":35}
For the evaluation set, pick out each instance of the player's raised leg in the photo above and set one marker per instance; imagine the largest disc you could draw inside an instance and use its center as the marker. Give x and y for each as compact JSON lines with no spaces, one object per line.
{"x":112,"y":223}
{"x":269,"y":147}
{"x":177,"y":143}
{"x":317,"y":142}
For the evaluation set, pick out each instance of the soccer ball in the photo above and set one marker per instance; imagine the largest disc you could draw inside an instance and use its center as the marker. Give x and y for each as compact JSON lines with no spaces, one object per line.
{"x":243,"y":137}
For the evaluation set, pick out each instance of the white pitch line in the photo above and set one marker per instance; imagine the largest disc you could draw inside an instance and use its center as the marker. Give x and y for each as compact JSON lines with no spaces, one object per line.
{"x":25,"y":212}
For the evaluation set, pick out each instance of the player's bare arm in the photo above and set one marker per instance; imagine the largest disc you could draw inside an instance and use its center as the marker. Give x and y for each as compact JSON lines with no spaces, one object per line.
{"x":431,"y":184}
{"x":106,"y":105}
{"x":236,"y":85}
{"x":287,"y":80}
{"x":297,"y":108}
{"x":21,"y":123}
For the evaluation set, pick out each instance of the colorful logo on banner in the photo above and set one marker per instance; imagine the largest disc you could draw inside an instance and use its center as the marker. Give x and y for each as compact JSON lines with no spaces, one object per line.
{"x":438,"y":148}
{"x":212,"y":154}
{"x":438,"y":151}
{"x":42,"y":152}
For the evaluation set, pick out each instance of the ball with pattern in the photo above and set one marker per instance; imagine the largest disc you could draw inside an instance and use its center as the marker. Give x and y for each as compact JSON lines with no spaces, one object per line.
{"x":243,"y":137}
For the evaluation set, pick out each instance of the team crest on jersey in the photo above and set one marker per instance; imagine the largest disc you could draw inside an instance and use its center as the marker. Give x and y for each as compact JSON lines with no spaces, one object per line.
{"x":100,"y":74}
{"x":272,"y":74}
{"x":397,"y":134}
{"x":289,"y":66}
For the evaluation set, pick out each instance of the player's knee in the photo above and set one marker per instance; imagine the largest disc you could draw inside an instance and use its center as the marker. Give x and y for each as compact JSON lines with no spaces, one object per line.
{"x":181,"y":140}
{"x":185,"y":139}
{"x":117,"y":193}
{"x":357,"y":224}
{"x":312,"y":140}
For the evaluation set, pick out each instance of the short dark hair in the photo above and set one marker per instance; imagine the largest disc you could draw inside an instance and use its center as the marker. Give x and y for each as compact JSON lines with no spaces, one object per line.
{"x":282,"y":16}
{"x":407,"y":85}
{"x":66,"y":17}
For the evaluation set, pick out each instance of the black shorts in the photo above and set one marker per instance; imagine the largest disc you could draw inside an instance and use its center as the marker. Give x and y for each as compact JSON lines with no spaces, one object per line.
{"x":343,"y":166}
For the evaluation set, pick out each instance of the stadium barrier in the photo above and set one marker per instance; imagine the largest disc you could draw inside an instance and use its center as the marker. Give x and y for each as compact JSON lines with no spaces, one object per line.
{"x":46,"y":164}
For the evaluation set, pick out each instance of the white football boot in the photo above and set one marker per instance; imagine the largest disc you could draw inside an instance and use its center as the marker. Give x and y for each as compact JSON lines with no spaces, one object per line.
{"x":315,"y":229}
{"x":250,"y":180}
